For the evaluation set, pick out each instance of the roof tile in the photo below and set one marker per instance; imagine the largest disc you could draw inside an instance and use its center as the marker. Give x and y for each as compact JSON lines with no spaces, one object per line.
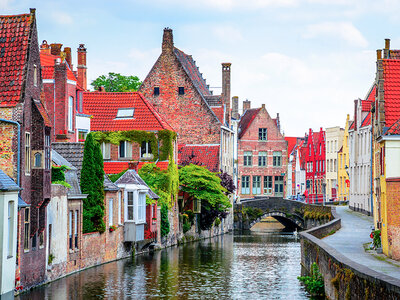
{"x":203,"y":155}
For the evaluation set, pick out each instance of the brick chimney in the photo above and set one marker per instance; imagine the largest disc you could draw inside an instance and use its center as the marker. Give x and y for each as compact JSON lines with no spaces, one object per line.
{"x":379,"y":54}
{"x":278,"y":122}
{"x":246,"y":105}
{"x":82,"y":69}
{"x":226,"y":91}
{"x":168,"y":40}
{"x":44,"y":47}
{"x":386,"y":51}
{"x":67,"y":51}
{"x":55,"y":49}
{"x":235,"y":107}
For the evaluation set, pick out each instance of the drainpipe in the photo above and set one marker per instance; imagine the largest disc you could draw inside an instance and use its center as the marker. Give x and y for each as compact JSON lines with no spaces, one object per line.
{"x":371,"y":179}
{"x":19,"y":150}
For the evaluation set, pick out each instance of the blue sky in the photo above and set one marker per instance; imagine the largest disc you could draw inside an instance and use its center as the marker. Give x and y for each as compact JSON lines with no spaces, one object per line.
{"x":305,"y":59}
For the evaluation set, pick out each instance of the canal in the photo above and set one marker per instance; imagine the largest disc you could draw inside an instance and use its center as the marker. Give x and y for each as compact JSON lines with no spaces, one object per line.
{"x":239,"y":266}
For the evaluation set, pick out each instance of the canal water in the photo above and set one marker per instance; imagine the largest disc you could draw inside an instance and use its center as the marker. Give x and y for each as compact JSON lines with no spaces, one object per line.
{"x":240,"y":266}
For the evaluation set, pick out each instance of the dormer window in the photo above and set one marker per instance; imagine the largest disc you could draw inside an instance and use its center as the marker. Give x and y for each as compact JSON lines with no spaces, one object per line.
{"x":181,"y":90}
{"x":156,"y":91}
{"x":125,"y":113}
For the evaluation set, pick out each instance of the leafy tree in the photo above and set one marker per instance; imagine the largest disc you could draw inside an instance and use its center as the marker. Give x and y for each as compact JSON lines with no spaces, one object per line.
{"x":92,"y":179}
{"x":227,"y":182}
{"x":115,"y":82}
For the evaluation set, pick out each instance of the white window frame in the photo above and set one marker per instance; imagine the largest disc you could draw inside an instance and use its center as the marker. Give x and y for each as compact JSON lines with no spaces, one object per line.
{"x":10,"y":229}
{"x":75,"y":229}
{"x":119,"y":208}
{"x":141,"y":205}
{"x":127,"y":148}
{"x":245,"y":190}
{"x":27,"y":153}
{"x":110,"y":211}
{"x":70,"y":113}
{"x":147,"y":153}
{"x":130,"y":206}
{"x":106,"y":150}
{"x":35,"y":75}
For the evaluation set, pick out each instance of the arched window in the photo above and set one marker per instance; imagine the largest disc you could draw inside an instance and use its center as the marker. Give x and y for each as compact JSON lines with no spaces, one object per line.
{"x":38,"y":160}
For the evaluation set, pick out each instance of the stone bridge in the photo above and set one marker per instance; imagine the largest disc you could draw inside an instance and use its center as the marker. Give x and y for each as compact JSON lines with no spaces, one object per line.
{"x":292,"y":214}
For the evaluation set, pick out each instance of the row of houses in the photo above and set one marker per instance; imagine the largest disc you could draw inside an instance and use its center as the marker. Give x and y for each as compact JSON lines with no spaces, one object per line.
{"x":46,"y":113}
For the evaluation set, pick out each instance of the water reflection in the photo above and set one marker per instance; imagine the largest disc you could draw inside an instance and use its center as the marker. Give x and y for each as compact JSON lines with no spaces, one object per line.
{"x":252,"y":266}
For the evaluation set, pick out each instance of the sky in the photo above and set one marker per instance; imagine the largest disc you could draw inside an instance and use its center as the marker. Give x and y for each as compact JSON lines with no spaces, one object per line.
{"x":307,"y":60}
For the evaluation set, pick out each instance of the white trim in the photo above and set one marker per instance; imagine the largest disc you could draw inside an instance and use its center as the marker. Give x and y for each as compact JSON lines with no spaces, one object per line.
{"x":395,"y":137}
{"x":71,"y":82}
{"x":48,"y":80}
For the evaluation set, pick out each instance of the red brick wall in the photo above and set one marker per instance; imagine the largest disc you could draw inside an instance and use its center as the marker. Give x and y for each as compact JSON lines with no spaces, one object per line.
{"x":249,"y":142}
{"x":393,"y":221}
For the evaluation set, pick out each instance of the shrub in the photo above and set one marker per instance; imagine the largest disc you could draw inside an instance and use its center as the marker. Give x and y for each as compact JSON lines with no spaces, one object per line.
{"x":164,"y":220}
{"x":217,"y":222}
{"x":314,"y":284}
{"x":377,"y":239}
{"x":186,"y":227}
{"x":58,"y":173}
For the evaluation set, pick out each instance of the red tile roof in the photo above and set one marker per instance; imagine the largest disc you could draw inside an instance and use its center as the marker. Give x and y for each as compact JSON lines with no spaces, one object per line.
{"x":163,"y":165}
{"x":366,"y":105}
{"x":247,"y":119}
{"x":103,"y":106}
{"x":391,"y":85}
{"x":47,"y":62}
{"x":292,"y":141}
{"x":115,"y":167}
{"x":394,"y":129}
{"x":371,"y":94}
{"x":219,"y":112}
{"x":39,"y":105}
{"x":14,"y":35}
{"x":367,"y":120}
{"x":203,"y":155}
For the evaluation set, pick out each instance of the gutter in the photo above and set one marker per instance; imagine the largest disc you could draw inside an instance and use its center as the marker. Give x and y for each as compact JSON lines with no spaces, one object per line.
{"x":18,"y":148}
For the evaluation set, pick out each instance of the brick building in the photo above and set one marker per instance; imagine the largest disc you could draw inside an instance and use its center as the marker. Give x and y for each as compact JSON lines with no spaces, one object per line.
{"x":25,"y":143}
{"x":179,"y":93}
{"x":262,"y":154}
{"x":315,"y":166}
{"x":63,"y":90}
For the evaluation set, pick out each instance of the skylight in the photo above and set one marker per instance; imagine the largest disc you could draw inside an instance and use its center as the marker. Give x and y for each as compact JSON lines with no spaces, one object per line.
{"x":125,"y":112}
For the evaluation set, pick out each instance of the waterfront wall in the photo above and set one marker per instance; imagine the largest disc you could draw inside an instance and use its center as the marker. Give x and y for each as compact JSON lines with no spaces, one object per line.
{"x":343,"y":278}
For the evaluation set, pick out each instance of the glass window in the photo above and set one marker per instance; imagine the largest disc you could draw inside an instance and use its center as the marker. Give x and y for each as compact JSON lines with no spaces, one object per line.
{"x":76,"y":219}
{"x":277,"y":158}
{"x":47,"y":151}
{"x":262,"y":134}
{"x":10,"y":229}
{"x":105,"y":149}
{"x":129,"y":206}
{"x":70,"y":229}
{"x":26,"y":228}
{"x":245,"y":184}
{"x":41,"y":239}
{"x":256,"y":185}
{"x":181,"y":90}
{"x":125,"y":149}
{"x":247,"y":158}
{"x":142,"y":207}
{"x":145,"y":149}
{"x":35,"y":75}
{"x":38,"y":160}
{"x":27,"y":152}
{"x":267,"y":184}
{"x":124,"y":113}
{"x":278,"y":184}
{"x":262,"y":158}
{"x":82,"y":136}
{"x":70,"y":113}
{"x":34,"y":242}
{"x":119,"y":207}
{"x":156,"y":91}
{"x":110,"y":212}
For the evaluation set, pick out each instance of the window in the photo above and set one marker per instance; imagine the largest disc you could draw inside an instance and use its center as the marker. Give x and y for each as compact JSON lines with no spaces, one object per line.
{"x":247,"y":158}
{"x":309,"y":150}
{"x":70,"y":113}
{"x":27,"y":153}
{"x":197,"y":206}
{"x":47,"y":151}
{"x":38,"y":160}
{"x":82,"y":136}
{"x":156,"y":91}
{"x":119,"y":207}
{"x":110,"y":212}
{"x":267,"y":184}
{"x":10,"y":229}
{"x":262,"y":158}
{"x":35,"y":75}
{"x":142,"y":207}
{"x":277,"y":158}
{"x":70,"y":230}
{"x":125,"y":149}
{"x":76,"y":228}
{"x":181,"y":90}
{"x":129,"y":206}
{"x":125,"y":113}
{"x":41,"y":239}
{"x":246,"y":185}
{"x":262,"y":134}
{"x":105,"y":149}
{"x":145,"y":149}
{"x":278,"y":185}
{"x":320,"y":149}
{"x":256,"y":185}
{"x":26,"y":228}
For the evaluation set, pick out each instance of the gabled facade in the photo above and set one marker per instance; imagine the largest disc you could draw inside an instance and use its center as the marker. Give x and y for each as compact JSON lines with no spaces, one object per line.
{"x":334,"y":139}
{"x":262,"y":154}
{"x":300,"y":169}
{"x":25,"y":143}
{"x":181,"y":95}
{"x":343,"y":165}
{"x":315,"y":167}
{"x":291,"y":167}
{"x":63,"y":90}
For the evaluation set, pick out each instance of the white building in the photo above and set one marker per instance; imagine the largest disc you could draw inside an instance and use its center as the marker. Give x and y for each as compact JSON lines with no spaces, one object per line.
{"x":300,"y":170}
{"x":334,"y":141}
{"x":360,"y":155}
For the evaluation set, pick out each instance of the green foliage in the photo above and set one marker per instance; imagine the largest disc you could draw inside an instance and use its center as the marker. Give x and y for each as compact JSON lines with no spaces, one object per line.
{"x":92,"y":178}
{"x":115,"y":177}
{"x":251,"y":214}
{"x":202,"y":184}
{"x":115,"y":82}
{"x":377,"y":239}
{"x":62,"y":182}
{"x":58,"y":173}
{"x":50,"y":259}
{"x":186,"y":227}
{"x":217,"y":221}
{"x":315,"y":283}
{"x":164,"y":220}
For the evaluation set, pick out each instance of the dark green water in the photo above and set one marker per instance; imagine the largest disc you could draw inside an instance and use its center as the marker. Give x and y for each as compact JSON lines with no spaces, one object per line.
{"x":246,"y":266}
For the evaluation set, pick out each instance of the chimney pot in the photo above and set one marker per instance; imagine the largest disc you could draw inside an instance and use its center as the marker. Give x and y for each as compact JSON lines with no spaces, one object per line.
{"x":378,"y":54}
{"x":226,"y":90}
{"x":55,"y":49}
{"x":235,"y":107}
{"x":387,"y":44}
{"x":68,"y":57}
{"x":263,"y":106}
{"x":246,"y":105}
{"x":44,"y":47}
{"x":168,"y":40}
{"x":81,"y":68}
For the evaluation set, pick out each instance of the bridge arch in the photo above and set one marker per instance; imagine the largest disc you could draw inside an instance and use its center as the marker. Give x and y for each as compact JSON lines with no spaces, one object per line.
{"x":290,"y":221}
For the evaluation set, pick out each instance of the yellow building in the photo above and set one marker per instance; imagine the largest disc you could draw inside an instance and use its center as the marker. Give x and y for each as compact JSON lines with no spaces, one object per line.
{"x":343,"y":165}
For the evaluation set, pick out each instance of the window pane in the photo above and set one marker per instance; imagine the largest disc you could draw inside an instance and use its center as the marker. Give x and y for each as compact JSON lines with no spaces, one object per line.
{"x":130,"y":198}
{"x":125,"y":113}
{"x":122,"y":149}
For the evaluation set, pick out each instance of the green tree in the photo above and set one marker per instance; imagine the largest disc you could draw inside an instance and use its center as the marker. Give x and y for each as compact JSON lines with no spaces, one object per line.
{"x":92,"y":179}
{"x":115,"y":82}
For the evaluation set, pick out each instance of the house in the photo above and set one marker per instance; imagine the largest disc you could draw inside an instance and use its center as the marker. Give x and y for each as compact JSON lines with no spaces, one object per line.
{"x":262,"y":152}
{"x":300,"y":168}
{"x":63,"y":89}
{"x":360,"y":155}
{"x":291,"y":166}
{"x":334,"y":139}
{"x":315,"y":167}
{"x":343,"y":181}
{"x":25,"y":144}
{"x":178,"y":91}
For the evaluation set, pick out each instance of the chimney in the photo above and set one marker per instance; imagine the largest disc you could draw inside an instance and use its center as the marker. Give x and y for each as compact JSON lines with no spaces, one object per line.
{"x":278,"y":122}
{"x":226,"y":91}
{"x":67,"y":51}
{"x":235,"y":107}
{"x":168,"y":40}
{"x":263,"y":106}
{"x":55,"y":49}
{"x":378,"y":54}
{"x":386,"y":51}
{"x":44,"y":47}
{"x":246,"y":105}
{"x":82,"y":69}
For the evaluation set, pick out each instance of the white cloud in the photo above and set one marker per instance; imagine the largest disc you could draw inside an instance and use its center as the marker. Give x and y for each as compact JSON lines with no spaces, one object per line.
{"x":233,"y":4}
{"x":342,"y":30}
{"x":227,"y":33}
{"x":5,"y":4}
{"x":62,"y":18}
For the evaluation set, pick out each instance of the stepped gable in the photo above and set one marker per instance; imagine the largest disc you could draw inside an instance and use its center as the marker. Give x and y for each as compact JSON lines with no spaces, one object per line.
{"x":14,"y":37}
{"x":103,"y":106}
{"x":203,"y":155}
{"x":247,"y":119}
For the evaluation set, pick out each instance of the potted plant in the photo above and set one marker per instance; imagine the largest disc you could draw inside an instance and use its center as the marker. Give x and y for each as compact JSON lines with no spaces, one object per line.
{"x":113,"y":228}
